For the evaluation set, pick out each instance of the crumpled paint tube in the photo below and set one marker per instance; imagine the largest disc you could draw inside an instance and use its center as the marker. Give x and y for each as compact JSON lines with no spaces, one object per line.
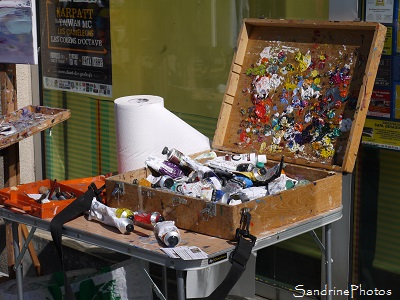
{"x":105,"y":214}
{"x":168,"y":233}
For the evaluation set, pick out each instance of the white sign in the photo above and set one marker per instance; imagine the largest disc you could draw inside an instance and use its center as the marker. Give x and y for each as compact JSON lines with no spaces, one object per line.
{"x":379,"y":11}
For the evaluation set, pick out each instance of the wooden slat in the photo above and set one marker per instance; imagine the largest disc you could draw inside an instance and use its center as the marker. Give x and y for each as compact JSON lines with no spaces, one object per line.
{"x":11,"y":154}
{"x":364,"y":98}
{"x":288,"y":23}
{"x":8,"y":90}
{"x":10,"y":251}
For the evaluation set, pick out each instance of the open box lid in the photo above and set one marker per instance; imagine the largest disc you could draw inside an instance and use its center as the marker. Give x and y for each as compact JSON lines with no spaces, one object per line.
{"x":300,"y":89}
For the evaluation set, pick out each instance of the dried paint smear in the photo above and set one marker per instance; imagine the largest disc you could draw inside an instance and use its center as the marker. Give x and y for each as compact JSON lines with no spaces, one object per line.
{"x":293,"y":99}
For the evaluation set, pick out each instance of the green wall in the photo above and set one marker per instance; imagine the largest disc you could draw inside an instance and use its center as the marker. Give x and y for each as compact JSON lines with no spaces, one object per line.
{"x":180,"y":50}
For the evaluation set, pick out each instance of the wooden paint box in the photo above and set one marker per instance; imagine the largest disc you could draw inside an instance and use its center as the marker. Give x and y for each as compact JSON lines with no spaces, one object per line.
{"x":297,"y":89}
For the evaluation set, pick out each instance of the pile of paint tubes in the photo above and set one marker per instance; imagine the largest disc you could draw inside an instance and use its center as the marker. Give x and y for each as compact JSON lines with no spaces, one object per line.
{"x":231,"y":179}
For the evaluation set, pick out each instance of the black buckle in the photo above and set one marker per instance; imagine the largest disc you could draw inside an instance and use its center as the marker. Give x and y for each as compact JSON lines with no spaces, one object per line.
{"x":243,"y":230}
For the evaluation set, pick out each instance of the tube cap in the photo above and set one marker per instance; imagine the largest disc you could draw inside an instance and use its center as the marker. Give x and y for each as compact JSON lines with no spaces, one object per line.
{"x":129,"y":228}
{"x":172,"y":239}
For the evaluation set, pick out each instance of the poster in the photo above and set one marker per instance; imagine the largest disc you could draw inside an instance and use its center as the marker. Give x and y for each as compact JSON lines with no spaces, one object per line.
{"x":383,"y":76}
{"x":379,"y":11}
{"x":380,"y":104}
{"x":397,"y":103}
{"x":387,"y":47}
{"x":18,"y":39}
{"x":398,"y":31}
{"x":382,"y":133}
{"x":396,"y":68}
{"x":76,"y":46}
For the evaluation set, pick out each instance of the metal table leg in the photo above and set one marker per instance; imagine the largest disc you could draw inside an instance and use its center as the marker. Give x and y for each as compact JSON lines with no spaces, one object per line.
{"x":165,"y":281}
{"x":328,"y":258}
{"x":326,"y":249}
{"x":18,"y":268}
{"x":180,"y":282}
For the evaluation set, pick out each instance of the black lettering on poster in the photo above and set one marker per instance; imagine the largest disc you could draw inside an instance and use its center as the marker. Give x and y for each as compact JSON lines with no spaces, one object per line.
{"x":75,"y":46}
{"x":383,"y":75}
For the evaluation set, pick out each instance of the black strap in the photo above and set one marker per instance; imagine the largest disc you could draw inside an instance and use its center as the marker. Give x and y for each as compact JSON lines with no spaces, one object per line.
{"x":238,"y":258}
{"x":73,"y":210}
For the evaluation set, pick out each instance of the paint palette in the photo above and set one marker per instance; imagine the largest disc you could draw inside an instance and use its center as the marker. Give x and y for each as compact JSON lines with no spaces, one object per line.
{"x":27,"y":121}
{"x":300,"y":89}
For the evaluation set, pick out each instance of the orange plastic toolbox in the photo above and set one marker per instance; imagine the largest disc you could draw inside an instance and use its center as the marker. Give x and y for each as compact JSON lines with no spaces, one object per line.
{"x":20,"y":197}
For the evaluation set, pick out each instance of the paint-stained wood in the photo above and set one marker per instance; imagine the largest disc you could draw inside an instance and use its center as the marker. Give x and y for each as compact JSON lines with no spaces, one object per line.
{"x":29,"y":120}
{"x":322,"y":194}
{"x":354,"y":46}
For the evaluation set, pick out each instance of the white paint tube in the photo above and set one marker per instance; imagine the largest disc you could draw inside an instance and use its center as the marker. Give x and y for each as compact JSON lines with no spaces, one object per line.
{"x":105,"y":214}
{"x":168,"y":233}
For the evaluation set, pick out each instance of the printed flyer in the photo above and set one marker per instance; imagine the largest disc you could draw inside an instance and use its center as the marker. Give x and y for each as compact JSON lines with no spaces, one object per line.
{"x":382,"y":133}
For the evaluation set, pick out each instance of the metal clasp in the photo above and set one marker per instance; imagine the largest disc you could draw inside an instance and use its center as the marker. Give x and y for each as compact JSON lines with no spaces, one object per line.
{"x":209,"y":211}
{"x":119,"y":190}
{"x":148,"y":193}
{"x":177,"y":201}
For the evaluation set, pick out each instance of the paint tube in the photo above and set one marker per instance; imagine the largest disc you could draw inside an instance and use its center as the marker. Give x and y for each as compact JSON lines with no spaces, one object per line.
{"x":124,"y":213}
{"x":250,"y":193}
{"x":230,"y":162}
{"x":167,"y":233}
{"x":243,"y":181}
{"x":142,"y":218}
{"x":204,"y":189}
{"x":106,"y":215}
{"x":164,"y":167}
{"x":163,"y":182}
{"x":178,"y":158}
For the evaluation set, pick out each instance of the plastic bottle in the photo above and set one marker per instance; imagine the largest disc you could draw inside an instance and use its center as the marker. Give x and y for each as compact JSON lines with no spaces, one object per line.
{"x":168,"y":233}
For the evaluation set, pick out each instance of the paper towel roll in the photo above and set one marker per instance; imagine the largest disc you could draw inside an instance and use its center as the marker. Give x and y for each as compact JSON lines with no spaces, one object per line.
{"x":144,"y":127}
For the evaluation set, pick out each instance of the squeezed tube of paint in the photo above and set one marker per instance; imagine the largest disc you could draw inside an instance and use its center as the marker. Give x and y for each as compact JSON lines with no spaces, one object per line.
{"x":164,"y":167}
{"x":106,"y":215}
{"x":168,"y":233}
{"x":152,"y":218}
{"x":178,"y":158}
{"x":164,"y":182}
{"x":124,"y":213}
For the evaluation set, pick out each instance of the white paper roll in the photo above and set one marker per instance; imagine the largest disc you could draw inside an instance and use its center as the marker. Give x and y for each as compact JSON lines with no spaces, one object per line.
{"x":144,"y":127}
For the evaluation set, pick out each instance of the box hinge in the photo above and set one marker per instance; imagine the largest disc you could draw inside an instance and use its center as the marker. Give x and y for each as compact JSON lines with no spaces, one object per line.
{"x":148,"y":193}
{"x":178,"y":201}
{"x":209,"y":211}
{"x":118,"y":190}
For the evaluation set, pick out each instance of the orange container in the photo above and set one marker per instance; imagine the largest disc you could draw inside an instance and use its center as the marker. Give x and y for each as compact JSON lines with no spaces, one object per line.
{"x":17,"y":197}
